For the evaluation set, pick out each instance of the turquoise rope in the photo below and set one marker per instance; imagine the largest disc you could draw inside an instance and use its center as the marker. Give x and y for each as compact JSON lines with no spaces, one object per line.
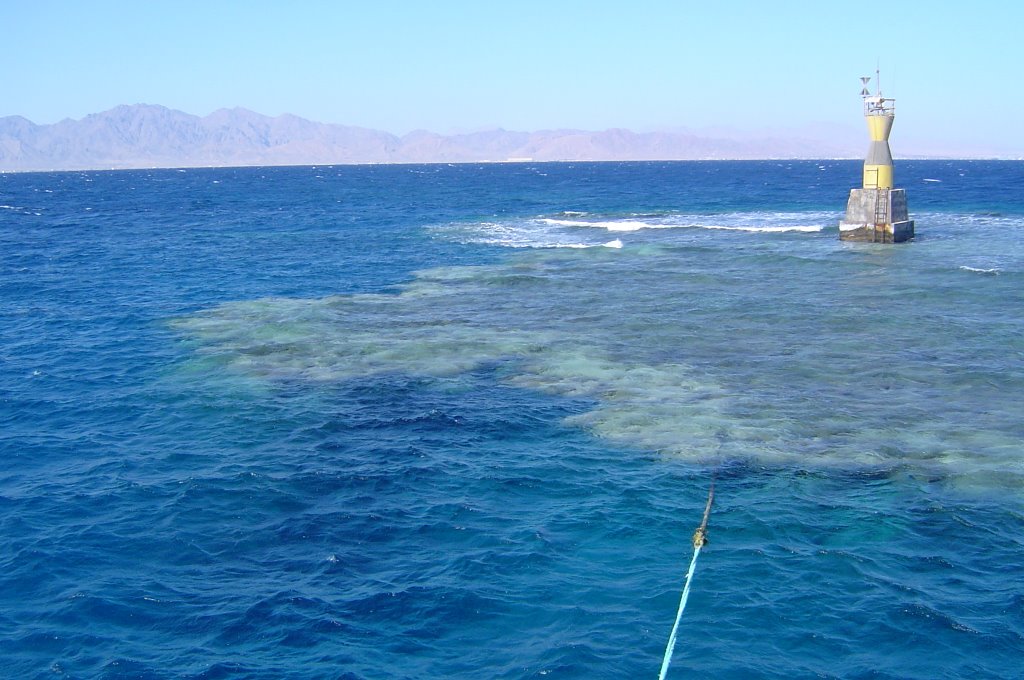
{"x":679,"y":614}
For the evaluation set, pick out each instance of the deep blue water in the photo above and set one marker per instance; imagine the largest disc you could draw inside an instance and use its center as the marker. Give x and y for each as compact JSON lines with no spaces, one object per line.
{"x":459,"y":421}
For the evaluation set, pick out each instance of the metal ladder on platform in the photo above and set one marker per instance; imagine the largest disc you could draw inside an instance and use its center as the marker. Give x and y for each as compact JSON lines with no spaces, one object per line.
{"x":881,"y":215}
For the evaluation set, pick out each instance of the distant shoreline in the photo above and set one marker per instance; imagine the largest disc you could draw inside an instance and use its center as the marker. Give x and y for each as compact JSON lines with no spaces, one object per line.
{"x":135,"y":168}
{"x":146,"y":136}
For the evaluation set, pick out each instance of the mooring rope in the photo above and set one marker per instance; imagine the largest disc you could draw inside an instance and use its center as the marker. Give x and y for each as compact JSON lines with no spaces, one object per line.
{"x":700,"y":539}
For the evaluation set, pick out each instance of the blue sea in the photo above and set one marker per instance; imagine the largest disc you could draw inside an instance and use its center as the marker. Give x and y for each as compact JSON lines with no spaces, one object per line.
{"x":460,"y":421}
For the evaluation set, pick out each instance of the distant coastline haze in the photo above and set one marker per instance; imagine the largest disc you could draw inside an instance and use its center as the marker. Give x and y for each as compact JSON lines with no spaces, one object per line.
{"x":143,"y":136}
{"x":150,"y":136}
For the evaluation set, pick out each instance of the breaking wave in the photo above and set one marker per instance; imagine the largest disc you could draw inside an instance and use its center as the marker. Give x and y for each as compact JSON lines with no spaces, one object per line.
{"x":565,"y":229}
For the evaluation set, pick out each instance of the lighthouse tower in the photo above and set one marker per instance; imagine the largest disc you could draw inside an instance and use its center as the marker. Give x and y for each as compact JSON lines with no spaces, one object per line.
{"x":877,"y":213}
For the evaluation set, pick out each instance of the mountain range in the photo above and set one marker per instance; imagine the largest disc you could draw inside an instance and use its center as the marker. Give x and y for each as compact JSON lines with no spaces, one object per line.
{"x":147,"y":136}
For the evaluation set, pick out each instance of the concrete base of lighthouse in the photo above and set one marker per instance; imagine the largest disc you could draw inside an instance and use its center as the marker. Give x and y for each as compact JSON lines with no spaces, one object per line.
{"x":877,"y":216}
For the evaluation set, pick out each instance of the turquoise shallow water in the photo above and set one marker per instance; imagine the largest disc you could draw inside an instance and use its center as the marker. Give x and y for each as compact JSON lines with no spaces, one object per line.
{"x":460,"y":421}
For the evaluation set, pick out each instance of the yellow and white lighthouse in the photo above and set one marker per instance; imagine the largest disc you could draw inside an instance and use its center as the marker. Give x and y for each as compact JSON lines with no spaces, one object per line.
{"x":877,"y":213}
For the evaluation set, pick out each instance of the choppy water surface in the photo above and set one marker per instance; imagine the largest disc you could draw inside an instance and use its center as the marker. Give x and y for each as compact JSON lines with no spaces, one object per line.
{"x":460,"y":421}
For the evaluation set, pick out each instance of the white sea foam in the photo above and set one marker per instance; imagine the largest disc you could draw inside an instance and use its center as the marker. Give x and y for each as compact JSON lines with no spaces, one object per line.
{"x":23,"y":211}
{"x":610,"y":225}
{"x":979,"y":270}
{"x":617,"y":243}
{"x":762,"y":222}
{"x":928,"y":179}
{"x":515,"y":233}
{"x":805,"y":228}
{"x":578,"y":246}
{"x":564,"y":229}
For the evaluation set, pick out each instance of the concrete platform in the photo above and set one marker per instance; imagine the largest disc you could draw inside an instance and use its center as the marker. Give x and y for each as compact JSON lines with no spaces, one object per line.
{"x":877,"y":216}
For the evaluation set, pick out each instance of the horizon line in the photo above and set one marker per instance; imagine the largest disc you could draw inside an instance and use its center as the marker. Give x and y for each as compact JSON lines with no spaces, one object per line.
{"x":504,"y":162}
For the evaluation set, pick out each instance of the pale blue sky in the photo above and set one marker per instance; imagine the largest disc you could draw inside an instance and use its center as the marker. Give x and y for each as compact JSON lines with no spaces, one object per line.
{"x":451,"y":66}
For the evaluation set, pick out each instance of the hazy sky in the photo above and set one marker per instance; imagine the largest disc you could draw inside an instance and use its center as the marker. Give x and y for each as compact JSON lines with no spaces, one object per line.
{"x":447,"y":66}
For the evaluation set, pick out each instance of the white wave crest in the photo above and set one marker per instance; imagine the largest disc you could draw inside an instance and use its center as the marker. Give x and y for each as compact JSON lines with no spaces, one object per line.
{"x":567,"y":229}
{"x":610,"y":225}
{"x":617,"y":243}
{"x":578,"y":246}
{"x":805,"y":228}
{"x":979,"y":270}
{"x":749,"y":222}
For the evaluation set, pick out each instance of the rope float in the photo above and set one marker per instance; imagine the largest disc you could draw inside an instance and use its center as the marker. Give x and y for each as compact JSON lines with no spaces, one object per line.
{"x":700,"y":539}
